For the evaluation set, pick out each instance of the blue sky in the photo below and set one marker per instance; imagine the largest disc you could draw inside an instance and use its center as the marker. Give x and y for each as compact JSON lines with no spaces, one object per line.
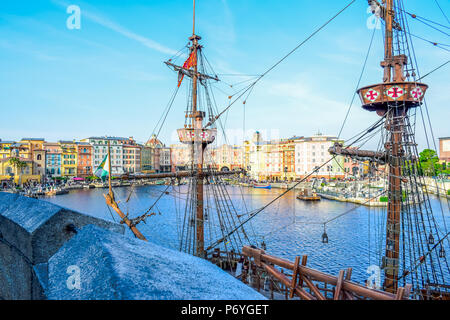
{"x":108,"y":78}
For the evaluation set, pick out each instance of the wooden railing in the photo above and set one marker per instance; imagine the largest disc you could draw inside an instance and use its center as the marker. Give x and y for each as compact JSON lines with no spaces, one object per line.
{"x":309,"y":284}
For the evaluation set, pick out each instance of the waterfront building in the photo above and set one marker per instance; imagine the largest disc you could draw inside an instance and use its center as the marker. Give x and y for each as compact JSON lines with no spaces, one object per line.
{"x":19,"y":175}
{"x":287,"y":147}
{"x":36,"y":153}
{"x":100,"y":150}
{"x":165,"y":160}
{"x":131,"y":157}
{"x":351,"y":166}
{"x":5,"y":149}
{"x":53,"y":152}
{"x":180,"y":157}
{"x":147,"y":158}
{"x":274,"y":161}
{"x":226,"y":157}
{"x":69,"y":157}
{"x":246,"y":155}
{"x":84,"y":164}
{"x":30,"y":153}
{"x":161,"y":154}
{"x":257,"y":167}
{"x":9,"y":172}
{"x":312,"y":152}
{"x":444,"y":149}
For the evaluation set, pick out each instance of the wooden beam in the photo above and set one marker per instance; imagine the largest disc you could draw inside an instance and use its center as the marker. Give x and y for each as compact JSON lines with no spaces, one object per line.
{"x":313,"y":288}
{"x":112,"y":203}
{"x":337,"y":290}
{"x":348,"y":277}
{"x":408,"y":288}
{"x":294,"y":277}
{"x":313,"y":274}
{"x":284,"y":280}
{"x":183,"y":174}
{"x":304,"y":261}
{"x":400,"y":293}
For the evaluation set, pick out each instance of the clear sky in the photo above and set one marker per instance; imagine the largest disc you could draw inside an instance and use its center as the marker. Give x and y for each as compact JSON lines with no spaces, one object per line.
{"x":108,"y":78}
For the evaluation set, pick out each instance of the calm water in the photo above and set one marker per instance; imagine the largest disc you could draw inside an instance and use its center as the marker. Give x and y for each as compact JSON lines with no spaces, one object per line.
{"x":289,"y":227}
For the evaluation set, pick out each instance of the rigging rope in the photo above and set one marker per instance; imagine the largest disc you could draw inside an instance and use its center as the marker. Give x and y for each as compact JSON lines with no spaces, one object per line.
{"x":279,"y":61}
{"x":443,"y":13}
{"x":442,"y":65}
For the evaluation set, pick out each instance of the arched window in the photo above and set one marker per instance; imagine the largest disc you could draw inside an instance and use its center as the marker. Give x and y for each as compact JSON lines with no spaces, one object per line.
{"x":39,"y":157}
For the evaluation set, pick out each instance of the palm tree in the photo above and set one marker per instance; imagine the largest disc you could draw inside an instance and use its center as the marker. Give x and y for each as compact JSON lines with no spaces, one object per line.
{"x":18,"y":165}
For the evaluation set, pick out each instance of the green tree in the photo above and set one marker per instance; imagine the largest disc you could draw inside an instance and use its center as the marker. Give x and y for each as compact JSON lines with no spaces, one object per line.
{"x":429,"y":163}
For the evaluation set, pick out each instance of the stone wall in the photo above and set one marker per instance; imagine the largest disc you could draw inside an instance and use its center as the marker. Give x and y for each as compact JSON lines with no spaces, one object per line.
{"x":31,"y":231}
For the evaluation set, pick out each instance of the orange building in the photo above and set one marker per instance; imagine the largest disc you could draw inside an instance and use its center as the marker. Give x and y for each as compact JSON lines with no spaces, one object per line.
{"x":287,"y":147}
{"x":84,"y":164}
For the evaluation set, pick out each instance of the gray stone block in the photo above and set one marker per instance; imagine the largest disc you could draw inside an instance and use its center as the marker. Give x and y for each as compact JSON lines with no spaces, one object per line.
{"x":31,"y":231}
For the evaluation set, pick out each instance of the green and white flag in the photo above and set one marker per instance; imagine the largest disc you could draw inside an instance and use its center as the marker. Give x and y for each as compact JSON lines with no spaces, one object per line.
{"x":102,"y":170}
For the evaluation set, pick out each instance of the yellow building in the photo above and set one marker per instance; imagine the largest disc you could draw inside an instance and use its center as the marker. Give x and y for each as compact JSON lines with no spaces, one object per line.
{"x":10,"y":172}
{"x":36,"y":152}
{"x":69,"y":158}
{"x":5,"y":149}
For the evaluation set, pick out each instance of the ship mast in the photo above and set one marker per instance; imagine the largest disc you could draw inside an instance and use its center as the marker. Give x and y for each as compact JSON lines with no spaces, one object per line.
{"x":198,"y":145}
{"x":395,"y":126}
{"x":391,"y":99}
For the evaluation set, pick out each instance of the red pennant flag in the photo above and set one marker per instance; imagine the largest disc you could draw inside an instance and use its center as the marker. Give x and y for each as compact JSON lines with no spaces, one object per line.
{"x":189,"y":63}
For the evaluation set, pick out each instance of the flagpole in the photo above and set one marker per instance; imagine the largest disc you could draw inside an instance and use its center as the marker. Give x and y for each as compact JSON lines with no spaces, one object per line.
{"x":109,"y":171}
{"x":193,"y":25}
{"x":113,"y":204}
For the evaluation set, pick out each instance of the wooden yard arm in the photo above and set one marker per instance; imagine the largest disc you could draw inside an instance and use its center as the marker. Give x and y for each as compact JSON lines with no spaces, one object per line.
{"x":182,"y":174}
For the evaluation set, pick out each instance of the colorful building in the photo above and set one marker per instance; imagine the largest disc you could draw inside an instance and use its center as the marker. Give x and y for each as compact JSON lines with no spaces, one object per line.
{"x":30,"y":153}
{"x":11,"y":173}
{"x":53,"y":152}
{"x":100,"y":150}
{"x":226,"y":157}
{"x":84,"y":164}
{"x":69,"y":157}
{"x":162,"y":155}
{"x":5,"y":149}
{"x":131,"y":158}
{"x":36,"y":153}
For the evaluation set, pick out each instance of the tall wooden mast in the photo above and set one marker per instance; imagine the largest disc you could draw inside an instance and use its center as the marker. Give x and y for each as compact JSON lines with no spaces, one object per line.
{"x":391,"y":99}
{"x":198,"y":146}
{"x":394,"y":124}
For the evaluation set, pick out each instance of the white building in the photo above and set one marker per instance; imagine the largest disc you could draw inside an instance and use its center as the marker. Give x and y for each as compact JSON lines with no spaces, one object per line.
{"x":100,"y":150}
{"x":312,"y":152}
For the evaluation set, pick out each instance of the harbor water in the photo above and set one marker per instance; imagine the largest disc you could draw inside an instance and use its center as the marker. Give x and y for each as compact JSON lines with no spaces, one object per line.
{"x":289,"y":227}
